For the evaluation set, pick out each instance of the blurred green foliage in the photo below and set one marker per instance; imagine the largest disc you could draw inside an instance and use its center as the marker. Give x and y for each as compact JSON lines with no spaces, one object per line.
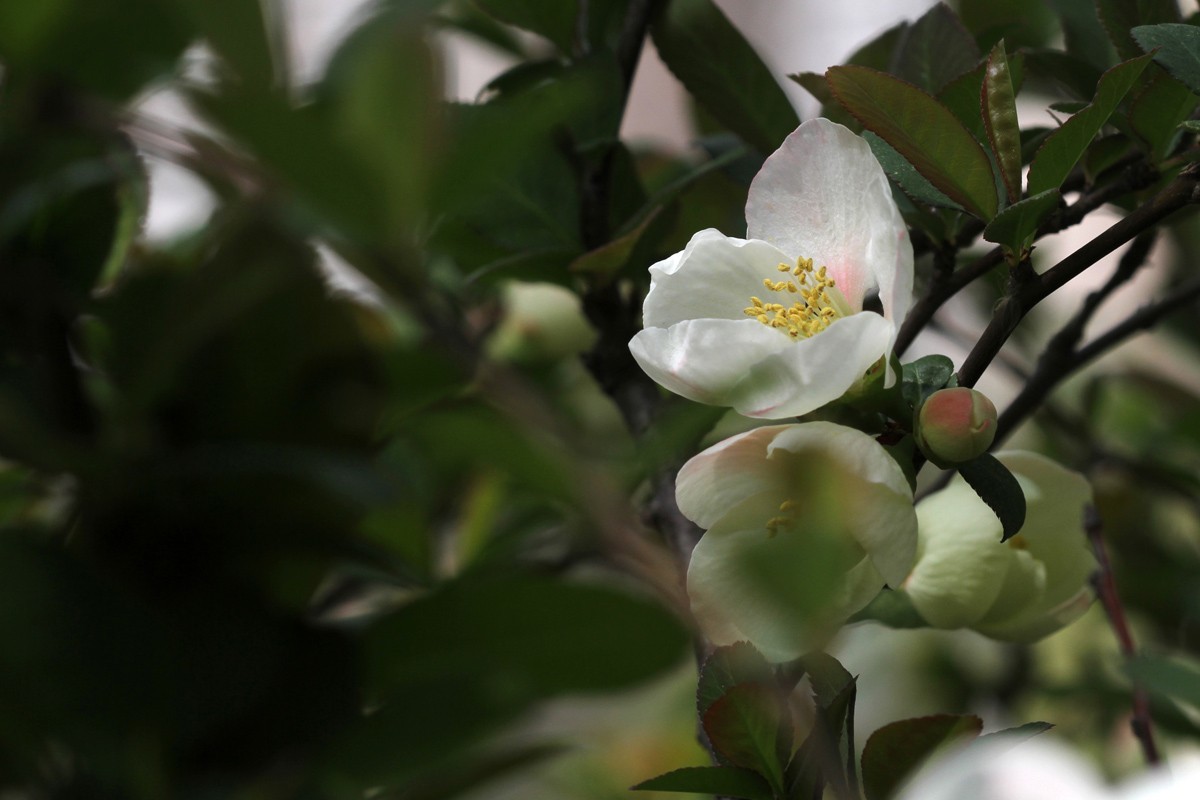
{"x":262,"y":540}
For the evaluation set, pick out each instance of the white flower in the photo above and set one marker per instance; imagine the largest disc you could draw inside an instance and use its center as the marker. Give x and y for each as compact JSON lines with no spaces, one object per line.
{"x":1041,"y":769}
{"x":1021,"y":590}
{"x":774,"y":325}
{"x":805,"y":524}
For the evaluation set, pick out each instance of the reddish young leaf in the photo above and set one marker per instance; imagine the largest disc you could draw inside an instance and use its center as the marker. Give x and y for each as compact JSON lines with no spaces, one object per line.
{"x":923,"y":131}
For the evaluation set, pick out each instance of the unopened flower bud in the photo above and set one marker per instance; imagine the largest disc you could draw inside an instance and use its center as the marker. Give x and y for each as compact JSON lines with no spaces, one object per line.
{"x":956,"y":425}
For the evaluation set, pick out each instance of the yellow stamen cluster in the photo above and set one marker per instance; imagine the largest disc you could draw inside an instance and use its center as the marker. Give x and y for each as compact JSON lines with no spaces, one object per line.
{"x":809,"y":314}
{"x":784,"y":519}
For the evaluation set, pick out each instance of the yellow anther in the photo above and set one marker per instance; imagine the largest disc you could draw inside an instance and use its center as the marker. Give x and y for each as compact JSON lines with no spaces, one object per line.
{"x":810,"y":313}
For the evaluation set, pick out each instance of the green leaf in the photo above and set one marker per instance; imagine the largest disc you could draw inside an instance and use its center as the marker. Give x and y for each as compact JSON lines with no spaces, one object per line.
{"x":1015,"y":226}
{"x":999,"y":105}
{"x":744,"y":727}
{"x":539,"y":636}
{"x":905,"y":175}
{"x":925,"y":376}
{"x":1173,"y":678}
{"x":895,"y":751}
{"x":997,"y":487}
{"x":1085,"y":37}
{"x":605,"y":262}
{"x":1120,"y":17}
{"x":817,"y":762}
{"x":1072,"y":75}
{"x":452,"y":666}
{"x":718,"y":781}
{"x":1016,"y":735}
{"x":828,"y":677}
{"x":1063,"y":148}
{"x":558,"y":21}
{"x":111,"y":49}
{"x":716,"y":64}
{"x":892,"y":608}
{"x":1157,"y":109}
{"x":961,"y":96}
{"x":1178,"y":49}
{"x":923,"y":131}
{"x":934,"y":50}
{"x":239,"y":33}
{"x":728,"y":667}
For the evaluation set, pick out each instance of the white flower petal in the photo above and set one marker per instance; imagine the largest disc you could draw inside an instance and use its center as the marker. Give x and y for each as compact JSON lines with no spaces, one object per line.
{"x":705,"y":359}
{"x":822,"y":195}
{"x":770,"y":591}
{"x":876,"y":496}
{"x":714,"y":277}
{"x":961,"y":564}
{"x":1055,"y":498}
{"x":726,"y":474}
{"x":809,"y":373}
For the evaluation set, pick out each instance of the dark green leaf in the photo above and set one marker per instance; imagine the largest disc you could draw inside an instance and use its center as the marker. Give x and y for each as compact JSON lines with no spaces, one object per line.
{"x":923,"y":131}
{"x":558,"y":21}
{"x":744,"y":727}
{"x":999,"y":104}
{"x":997,"y":487}
{"x":1173,"y":678}
{"x":1015,"y":226}
{"x":1120,"y":17}
{"x":1022,"y":23}
{"x":816,"y":85}
{"x":818,"y":761}
{"x":1076,"y":77}
{"x":925,"y":376}
{"x":894,"y":751}
{"x":905,"y":175}
{"x":450,"y":667}
{"x":1085,"y":37}
{"x":1157,"y":109}
{"x":1063,"y":149}
{"x":736,"y":88}
{"x":538,"y":636}
{"x":718,"y":781}
{"x":1178,"y":49}
{"x":934,"y":50}
{"x":828,"y":677}
{"x":237,"y":30}
{"x":111,"y":49}
{"x":728,"y":667}
{"x":961,"y":96}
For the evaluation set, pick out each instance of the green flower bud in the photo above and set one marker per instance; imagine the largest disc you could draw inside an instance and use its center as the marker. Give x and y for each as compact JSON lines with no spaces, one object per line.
{"x":956,"y":425}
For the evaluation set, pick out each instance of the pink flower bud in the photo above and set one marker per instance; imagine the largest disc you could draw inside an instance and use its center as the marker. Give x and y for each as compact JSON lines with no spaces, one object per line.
{"x":956,"y":425}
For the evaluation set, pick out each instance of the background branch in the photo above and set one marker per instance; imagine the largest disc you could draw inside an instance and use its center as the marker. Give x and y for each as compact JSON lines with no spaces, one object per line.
{"x":1106,"y":589}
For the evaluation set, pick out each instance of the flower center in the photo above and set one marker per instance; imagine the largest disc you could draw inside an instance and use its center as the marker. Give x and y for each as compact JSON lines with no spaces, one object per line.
{"x":816,"y":302}
{"x":785,"y":519}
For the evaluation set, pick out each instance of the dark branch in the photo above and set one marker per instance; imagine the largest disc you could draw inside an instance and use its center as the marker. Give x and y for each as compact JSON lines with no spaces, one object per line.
{"x":1025,"y":294}
{"x":1106,"y":590}
{"x":943,"y":287}
{"x":1060,"y":358}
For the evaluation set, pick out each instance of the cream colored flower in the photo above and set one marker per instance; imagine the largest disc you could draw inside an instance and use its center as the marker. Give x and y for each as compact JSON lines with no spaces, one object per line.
{"x":805,"y":523}
{"x":1021,"y":590}
{"x":774,"y":325}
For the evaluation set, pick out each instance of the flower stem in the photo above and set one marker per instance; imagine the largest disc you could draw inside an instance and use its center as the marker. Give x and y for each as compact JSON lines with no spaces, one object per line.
{"x":1106,"y":588}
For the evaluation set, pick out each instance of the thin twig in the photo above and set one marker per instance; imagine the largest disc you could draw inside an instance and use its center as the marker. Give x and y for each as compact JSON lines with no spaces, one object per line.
{"x":1025,"y":294}
{"x":1106,"y":589}
{"x":942,"y":288}
{"x":1143,"y":319}
{"x":1060,"y":358}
